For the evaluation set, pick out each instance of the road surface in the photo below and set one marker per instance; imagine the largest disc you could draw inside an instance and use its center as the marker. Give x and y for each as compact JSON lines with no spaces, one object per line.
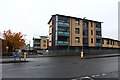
{"x":62,"y":67}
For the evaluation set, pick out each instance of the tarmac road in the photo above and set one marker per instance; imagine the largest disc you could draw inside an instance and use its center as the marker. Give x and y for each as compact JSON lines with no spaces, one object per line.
{"x":62,"y":67}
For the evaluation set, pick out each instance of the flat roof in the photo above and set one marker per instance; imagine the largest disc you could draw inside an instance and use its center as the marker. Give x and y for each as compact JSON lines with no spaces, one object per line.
{"x":111,"y":39}
{"x":72,"y":17}
{"x":36,"y":38}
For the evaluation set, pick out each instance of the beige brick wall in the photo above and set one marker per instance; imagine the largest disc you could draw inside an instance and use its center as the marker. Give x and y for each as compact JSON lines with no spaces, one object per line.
{"x":73,"y":34}
{"x":91,"y":36}
{"x":110,"y":45}
{"x":42,"y":44}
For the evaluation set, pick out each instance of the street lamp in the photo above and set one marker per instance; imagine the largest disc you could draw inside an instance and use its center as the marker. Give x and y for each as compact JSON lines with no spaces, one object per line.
{"x":82,"y":52}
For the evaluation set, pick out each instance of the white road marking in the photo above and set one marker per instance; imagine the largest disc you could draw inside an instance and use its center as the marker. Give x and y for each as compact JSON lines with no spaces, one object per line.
{"x":97,"y":75}
{"x":73,"y":79}
{"x":93,"y":75}
{"x":89,"y":77}
{"x":103,"y":74}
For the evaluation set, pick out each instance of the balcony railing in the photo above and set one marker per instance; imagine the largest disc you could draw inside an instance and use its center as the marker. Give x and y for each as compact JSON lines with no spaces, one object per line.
{"x":36,"y":47}
{"x":63,"y":42}
{"x":85,"y":28}
{"x":98,"y":36}
{"x":64,"y":33}
{"x":98,"y":44}
{"x":36,"y":42}
{"x":98,"y":29}
{"x":63,"y":24}
{"x":85,"y":36}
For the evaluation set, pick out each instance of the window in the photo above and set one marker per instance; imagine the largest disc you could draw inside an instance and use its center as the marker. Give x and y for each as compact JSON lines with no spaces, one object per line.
{"x":91,"y":32}
{"x":85,"y":33}
{"x":113,"y":42}
{"x":107,"y":41}
{"x":44,"y":45}
{"x":91,"y":24}
{"x":77,"y":22}
{"x":110,"y":42}
{"x":77,"y":39}
{"x":98,"y":25}
{"x":44,"y":41}
{"x":91,"y":40}
{"x":77,"y":30}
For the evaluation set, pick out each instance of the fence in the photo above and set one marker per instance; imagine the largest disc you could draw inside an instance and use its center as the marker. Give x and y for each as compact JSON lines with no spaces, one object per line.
{"x":89,"y":51}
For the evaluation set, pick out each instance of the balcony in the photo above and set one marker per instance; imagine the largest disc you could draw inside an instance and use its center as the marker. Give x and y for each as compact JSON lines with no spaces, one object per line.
{"x":64,"y":33}
{"x":63,"y":42}
{"x":98,"y":29}
{"x":85,"y":28}
{"x":36,"y":47}
{"x":63,"y":24}
{"x":36,"y":42}
{"x":98,"y":44}
{"x":98,"y":36}
{"x":85,"y":36}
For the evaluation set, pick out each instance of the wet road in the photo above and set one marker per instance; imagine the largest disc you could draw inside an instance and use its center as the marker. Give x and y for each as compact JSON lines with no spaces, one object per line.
{"x":62,"y":67}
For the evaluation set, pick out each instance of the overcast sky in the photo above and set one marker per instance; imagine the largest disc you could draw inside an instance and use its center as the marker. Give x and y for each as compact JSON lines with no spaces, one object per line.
{"x":31,"y":16}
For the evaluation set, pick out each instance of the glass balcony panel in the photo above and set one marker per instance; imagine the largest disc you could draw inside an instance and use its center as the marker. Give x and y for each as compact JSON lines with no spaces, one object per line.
{"x":67,"y":33}
{"x":67,"y":42}
{"x":36,"y":47}
{"x":98,"y":29}
{"x":36,"y":42}
{"x":60,"y":41}
{"x":63,"y":42}
{"x":98,"y":36}
{"x":98,"y":44}
{"x":63,"y":24}
{"x":85,"y":36}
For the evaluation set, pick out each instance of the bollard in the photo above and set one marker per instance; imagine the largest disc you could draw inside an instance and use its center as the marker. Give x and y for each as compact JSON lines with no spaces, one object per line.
{"x":24,"y":56}
{"x":82,"y":54}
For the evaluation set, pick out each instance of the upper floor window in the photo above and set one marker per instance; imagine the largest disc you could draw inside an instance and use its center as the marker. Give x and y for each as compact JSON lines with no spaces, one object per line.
{"x":44,"y":45}
{"x":98,"y":25}
{"x":91,"y":24}
{"x":107,"y":41}
{"x":77,"y":39}
{"x":85,"y":33}
{"x":77,"y":22}
{"x":113,"y":42}
{"x":91,"y":32}
{"x":91,"y":40}
{"x":44,"y":41}
{"x":77,"y":30}
{"x":110,"y":42}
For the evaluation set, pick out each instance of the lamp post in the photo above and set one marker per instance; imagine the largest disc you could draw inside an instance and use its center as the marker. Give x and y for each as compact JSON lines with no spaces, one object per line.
{"x":82,"y":51}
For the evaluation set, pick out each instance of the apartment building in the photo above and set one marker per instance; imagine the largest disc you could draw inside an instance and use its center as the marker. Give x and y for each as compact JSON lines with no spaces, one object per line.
{"x":40,"y":43}
{"x":110,"y":43}
{"x":72,"y":33}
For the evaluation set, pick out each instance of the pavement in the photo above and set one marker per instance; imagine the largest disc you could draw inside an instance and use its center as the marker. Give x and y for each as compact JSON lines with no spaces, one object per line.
{"x":101,"y":56}
{"x":10,"y":59}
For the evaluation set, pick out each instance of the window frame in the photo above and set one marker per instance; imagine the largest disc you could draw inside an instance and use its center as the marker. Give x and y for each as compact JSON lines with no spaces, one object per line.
{"x":77,"y":41}
{"x":92,"y":40}
{"x":77,"y":30}
{"x":77,"y":22}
